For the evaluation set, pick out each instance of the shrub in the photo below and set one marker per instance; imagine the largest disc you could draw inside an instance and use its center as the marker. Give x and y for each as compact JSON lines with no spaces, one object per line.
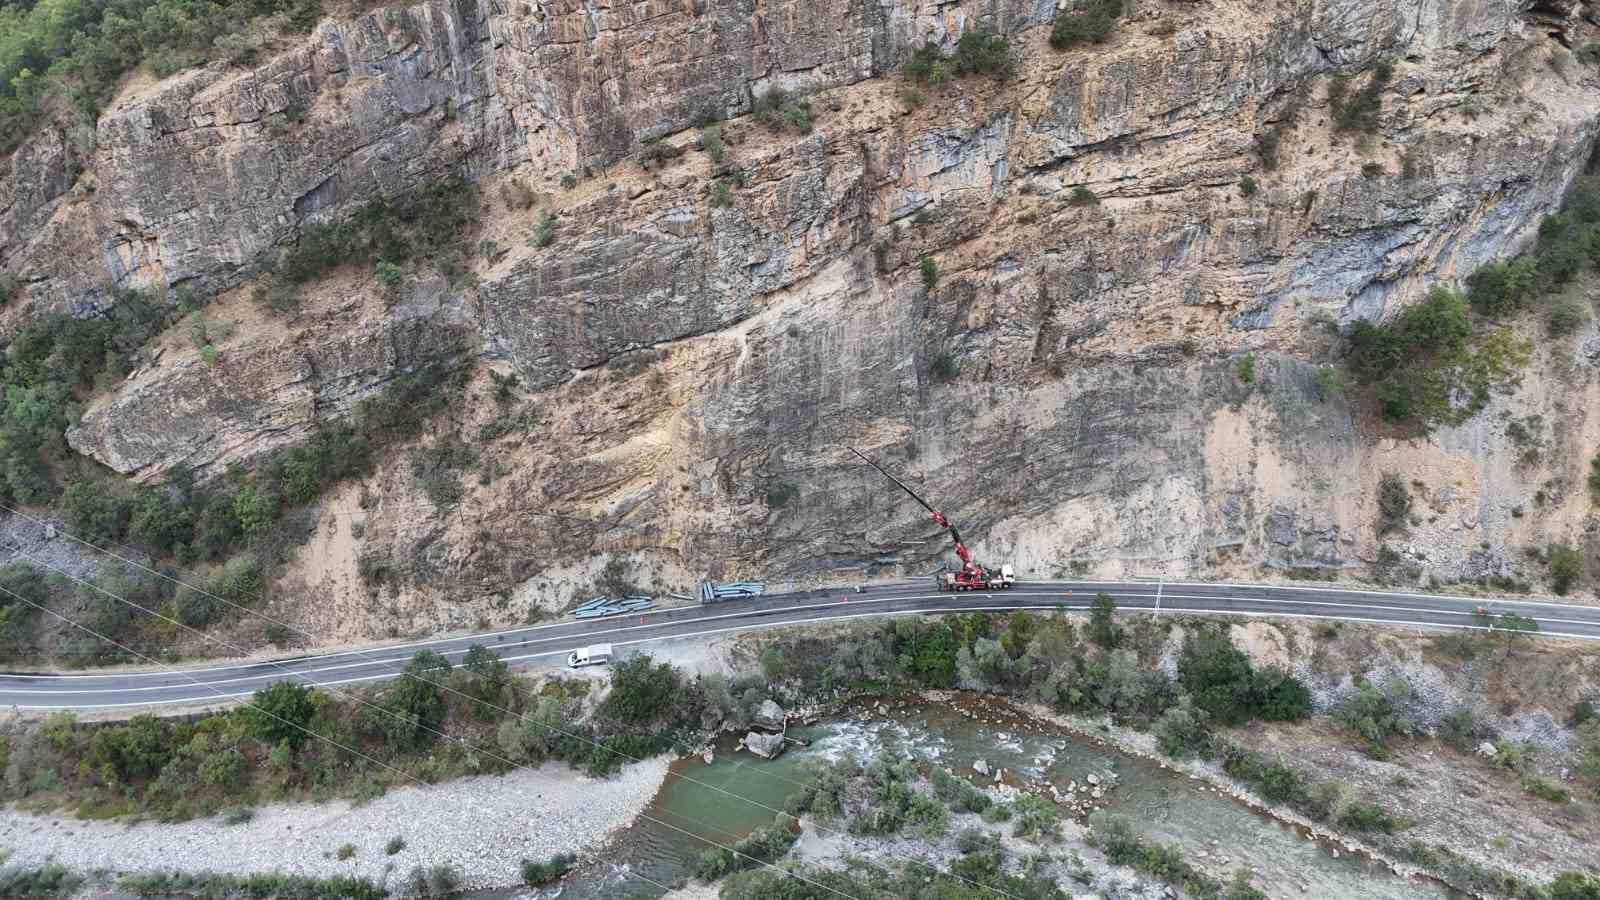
{"x":1036,"y":817}
{"x":779,"y":111}
{"x":1594,"y":478}
{"x":395,"y":845}
{"x":544,"y":232}
{"x":94,"y":514}
{"x":762,"y":846}
{"x":1495,"y":289}
{"x":1358,"y":816}
{"x":1371,"y":713}
{"x":1371,"y":171}
{"x":410,"y":714}
{"x":982,"y":52}
{"x":930,"y":271}
{"x":1329,"y":383}
{"x":1090,"y":22}
{"x":658,"y":153}
{"x":1218,"y":676}
{"x":537,"y":874}
{"x":1245,"y":368}
{"x":721,"y":193}
{"x":345,"y":851}
{"x":49,"y":880}
{"x":711,"y":142}
{"x":1394,"y":503}
{"x":1182,"y":732}
{"x":927,"y":65}
{"x":1360,"y":112}
{"x":642,"y":691}
{"x":1082,"y":196}
{"x":780,"y":494}
{"x":942,"y":366}
{"x":390,"y":276}
{"x":432,"y":883}
{"x":1565,"y":317}
{"x":1544,"y":790}
{"x":281,"y":712}
{"x":1102,"y":623}
{"x":1248,"y":186}
{"x":1566,"y":567}
{"x":194,"y":608}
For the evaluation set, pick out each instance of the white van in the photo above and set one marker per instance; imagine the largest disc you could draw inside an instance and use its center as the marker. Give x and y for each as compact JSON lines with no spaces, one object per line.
{"x":593,"y":655}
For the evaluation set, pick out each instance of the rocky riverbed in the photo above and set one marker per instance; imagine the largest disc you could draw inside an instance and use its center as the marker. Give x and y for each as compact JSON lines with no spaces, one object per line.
{"x":484,"y":827}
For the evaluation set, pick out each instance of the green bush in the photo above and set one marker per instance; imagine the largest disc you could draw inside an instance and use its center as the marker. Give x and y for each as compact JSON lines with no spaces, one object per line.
{"x":1419,"y":364}
{"x":642,"y":691}
{"x":942,"y":366}
{"x":763,"y":846}
{"x":780,"y":494}
{"x":259,"y":887}
{"x":1370,"y":817}
{"x":711,"y":142}
{"x":1090,"y":21}
{"x":1103,"y":629}
{"x":281,"y":713}
{"x":1565,"y":317}
{"x":780,"y":111}
{"x":1394,"y":504}
{"x":1372,"y":714}
{"x":1248,"y":186}
{"x":1082,"y":196}
{"x":49,"y":880}
{"x":1360,"y":112}
{"x":1329,"y":383}
{"x":1566,"y":567}
{"x":981,"y":52}
{"x":1544,"y":790}
{"x":930,"y":271}
{"x":196,"y":609}
{"x":537,"y":874}
{"x":414,"y":706}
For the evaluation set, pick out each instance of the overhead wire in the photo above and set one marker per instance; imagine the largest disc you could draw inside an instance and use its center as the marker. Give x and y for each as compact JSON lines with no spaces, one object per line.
{"x":413,"y":778}
{"x":360,"y":651}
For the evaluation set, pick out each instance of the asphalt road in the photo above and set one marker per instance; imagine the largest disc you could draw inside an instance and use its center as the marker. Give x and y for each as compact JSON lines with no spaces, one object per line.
{"x":548,"y":645}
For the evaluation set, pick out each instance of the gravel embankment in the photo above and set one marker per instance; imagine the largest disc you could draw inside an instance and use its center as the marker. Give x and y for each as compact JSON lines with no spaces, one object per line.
{"x":483,"y":826}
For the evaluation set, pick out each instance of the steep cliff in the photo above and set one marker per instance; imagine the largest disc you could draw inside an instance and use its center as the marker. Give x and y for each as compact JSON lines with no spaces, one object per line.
{"x":1110,"y":234}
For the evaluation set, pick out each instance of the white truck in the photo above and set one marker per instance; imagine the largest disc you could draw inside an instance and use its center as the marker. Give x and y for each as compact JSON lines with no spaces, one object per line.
{"x":592,"y":655}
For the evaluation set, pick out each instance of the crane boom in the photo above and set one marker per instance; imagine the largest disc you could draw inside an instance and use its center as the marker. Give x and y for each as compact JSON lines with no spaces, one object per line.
{"x":938,"y":517}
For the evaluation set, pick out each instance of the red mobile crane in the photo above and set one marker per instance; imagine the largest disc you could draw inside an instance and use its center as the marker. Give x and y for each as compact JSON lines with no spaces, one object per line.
{"x":971,"y":577}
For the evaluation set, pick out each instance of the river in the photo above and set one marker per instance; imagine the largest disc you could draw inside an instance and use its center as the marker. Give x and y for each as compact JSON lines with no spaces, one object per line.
{"x":736,"y":793}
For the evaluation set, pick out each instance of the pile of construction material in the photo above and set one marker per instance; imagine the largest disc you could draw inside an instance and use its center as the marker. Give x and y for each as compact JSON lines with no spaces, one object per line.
{"x":715,"y":593}
{"x":605,"y":606}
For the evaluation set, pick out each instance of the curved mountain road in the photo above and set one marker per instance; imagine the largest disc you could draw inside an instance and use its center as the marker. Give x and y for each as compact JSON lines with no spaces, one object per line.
{"x":547,"y":645}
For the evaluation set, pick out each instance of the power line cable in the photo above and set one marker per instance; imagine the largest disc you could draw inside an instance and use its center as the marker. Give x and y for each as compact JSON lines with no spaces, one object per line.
{"x":413,"y":778}
{"x":596,"y":744}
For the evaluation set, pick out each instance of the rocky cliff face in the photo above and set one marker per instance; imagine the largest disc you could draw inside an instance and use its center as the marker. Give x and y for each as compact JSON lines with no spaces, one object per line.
{"x":684,"y":356}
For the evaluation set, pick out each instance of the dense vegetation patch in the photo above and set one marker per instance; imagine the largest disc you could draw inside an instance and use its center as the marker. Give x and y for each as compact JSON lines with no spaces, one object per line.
{"x":65,"y":57}
{"x":978,"y":52}
{"x":1087,"y":22}
{"x":294,"y":742}
{"x":1439,"y":361}
{"x":382,"y":233}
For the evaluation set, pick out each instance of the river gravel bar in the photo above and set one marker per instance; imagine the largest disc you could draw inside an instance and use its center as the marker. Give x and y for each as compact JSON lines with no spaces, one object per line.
{"x":484,"y":826}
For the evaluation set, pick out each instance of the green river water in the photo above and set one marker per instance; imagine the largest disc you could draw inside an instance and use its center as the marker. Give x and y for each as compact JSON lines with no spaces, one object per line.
{"x":736,"y":793}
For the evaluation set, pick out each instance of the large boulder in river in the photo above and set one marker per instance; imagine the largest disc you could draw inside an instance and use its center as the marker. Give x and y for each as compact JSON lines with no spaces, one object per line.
{"x":766,"y":746}
{"x":770,"y":717}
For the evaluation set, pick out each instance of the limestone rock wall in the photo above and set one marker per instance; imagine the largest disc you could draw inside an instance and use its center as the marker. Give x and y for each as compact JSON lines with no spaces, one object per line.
{"x":682,"y":356}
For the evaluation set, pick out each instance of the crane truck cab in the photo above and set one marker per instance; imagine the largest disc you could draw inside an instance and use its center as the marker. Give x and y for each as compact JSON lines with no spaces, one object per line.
{"x":1005,"y":579}
{"x":593,"y":655}
{"x":976,"y":580}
